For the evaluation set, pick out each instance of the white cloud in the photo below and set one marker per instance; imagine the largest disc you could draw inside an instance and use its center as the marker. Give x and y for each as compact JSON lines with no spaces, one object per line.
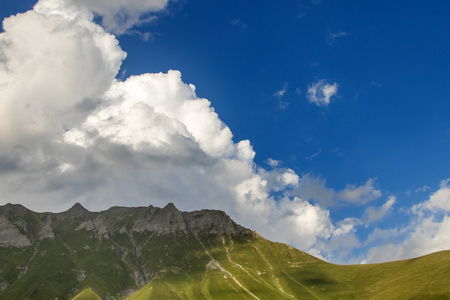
{"x":320,"y":92}
{"x":300,"y":223}
{"x":359,"y":195}
{"x":273,"y":163}
{"x":374,"y":214}
{"x":429,"y":230}
{"x":427,"y":236}
{"x":339,"y":247}
{"x":279,"y":94}
{"x":347,"y":225}
{"x":438,"y":201}
{"x":120,"y":15}
{"x":55,"y":66}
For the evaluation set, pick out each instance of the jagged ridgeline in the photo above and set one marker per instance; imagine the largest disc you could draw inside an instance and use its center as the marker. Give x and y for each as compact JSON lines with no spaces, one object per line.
{"x":154,"y":253}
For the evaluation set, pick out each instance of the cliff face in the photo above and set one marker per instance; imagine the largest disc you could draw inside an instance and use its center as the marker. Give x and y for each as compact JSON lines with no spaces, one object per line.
{"x":127,"y":245}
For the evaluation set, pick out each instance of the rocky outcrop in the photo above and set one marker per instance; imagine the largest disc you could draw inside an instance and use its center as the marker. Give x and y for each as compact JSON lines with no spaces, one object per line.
{"x":212,"y":222}
{"x":11,"y":235}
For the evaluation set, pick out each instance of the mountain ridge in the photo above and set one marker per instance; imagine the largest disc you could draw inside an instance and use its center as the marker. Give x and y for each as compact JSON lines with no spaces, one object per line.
{"x":163,"y":253}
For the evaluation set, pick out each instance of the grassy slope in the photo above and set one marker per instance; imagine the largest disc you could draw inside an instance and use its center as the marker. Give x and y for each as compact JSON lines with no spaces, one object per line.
{"x":266,"y":270}
{"x":87,"y":294}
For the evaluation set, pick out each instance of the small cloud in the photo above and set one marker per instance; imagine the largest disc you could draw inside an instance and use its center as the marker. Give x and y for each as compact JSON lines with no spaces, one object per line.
{"x":279,"y":94}
{"x":423,"y":189}
{"x":359,"y":195}
{"x":314,"y":155}
{"x":374,"y":214}
{"x":239,"y":23}
{"x":320,"y":92}
{"x":332,"y":36}
{"x":316,"y":2}
{"x":273,"y":163}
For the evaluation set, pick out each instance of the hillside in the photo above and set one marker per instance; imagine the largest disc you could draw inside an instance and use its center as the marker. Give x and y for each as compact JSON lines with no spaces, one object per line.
{"x":162,"y":253}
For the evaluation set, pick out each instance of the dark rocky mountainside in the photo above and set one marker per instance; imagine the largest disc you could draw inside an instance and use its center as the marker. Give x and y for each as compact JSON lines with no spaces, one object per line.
{"x":163,"y":253}
{"x":115,"y":242}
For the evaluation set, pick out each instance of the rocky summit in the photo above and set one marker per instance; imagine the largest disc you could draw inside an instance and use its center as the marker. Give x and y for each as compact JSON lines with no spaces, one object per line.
{"x":163,"y":253}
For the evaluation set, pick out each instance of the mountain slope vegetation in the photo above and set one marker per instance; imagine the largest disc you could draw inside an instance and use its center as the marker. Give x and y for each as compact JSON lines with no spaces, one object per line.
{"x":162,"y":253}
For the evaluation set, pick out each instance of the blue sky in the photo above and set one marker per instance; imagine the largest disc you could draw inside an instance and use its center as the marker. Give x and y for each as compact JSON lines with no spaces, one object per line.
{"x":344,"y":103}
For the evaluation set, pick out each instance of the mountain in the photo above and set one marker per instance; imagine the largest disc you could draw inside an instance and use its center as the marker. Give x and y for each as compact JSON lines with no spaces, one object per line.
{"x":163,"y":253}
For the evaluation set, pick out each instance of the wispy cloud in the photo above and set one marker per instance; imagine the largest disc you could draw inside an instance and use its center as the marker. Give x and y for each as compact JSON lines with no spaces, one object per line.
{"x":321,"y":92}
{"x":279,"y":94}
{"x":239,"y":23}
{"x":333,"y":36}
{"x":423,"y":189}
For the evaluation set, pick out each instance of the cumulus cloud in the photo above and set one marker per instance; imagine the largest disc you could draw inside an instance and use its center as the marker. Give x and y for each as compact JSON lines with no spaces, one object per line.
{"x":71,"y":132}
{"x":321,"y":92}
{"x":55,"y":65}
{"x":300,"y":223}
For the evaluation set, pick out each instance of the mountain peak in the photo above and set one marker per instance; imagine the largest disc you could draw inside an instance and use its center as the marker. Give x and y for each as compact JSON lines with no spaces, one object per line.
{"x":170,"y":206}
{"x":77,"y":209}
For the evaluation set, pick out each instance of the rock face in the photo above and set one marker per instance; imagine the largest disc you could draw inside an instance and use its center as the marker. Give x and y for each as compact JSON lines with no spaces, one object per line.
{"x":128,"y":245}
{"x":13,"y":227}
